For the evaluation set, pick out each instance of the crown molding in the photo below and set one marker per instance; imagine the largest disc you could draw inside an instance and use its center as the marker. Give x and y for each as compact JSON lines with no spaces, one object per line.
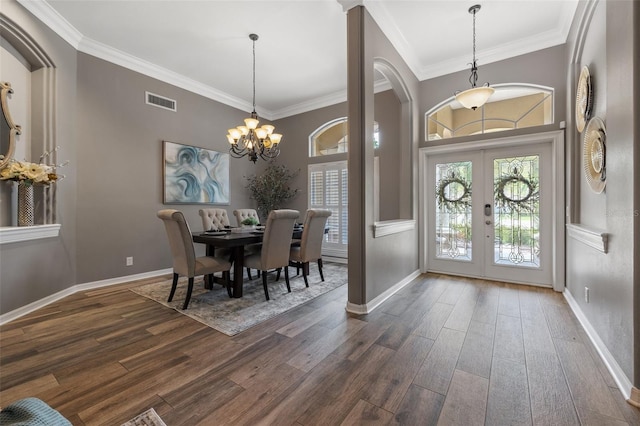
{"x":51,"y":18}
{"x":102,"y":51}
{"x":313,"y":104}
{"x":350,"y":4}
{"x":380,"y":14}
{"x":505,"y":51}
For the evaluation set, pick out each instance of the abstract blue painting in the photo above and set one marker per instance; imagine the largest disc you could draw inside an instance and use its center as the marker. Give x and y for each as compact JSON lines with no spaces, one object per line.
{"x":194,"y":175}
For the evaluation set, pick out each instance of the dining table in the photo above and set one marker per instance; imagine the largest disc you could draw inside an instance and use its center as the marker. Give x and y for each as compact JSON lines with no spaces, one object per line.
{"x":236,"y":242}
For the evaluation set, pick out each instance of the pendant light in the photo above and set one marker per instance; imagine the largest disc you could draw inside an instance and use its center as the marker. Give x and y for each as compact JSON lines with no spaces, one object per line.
{"x":476,"y":96}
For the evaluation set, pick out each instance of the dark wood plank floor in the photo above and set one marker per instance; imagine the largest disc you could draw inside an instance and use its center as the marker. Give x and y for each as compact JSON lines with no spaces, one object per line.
{"x":444,"y":350}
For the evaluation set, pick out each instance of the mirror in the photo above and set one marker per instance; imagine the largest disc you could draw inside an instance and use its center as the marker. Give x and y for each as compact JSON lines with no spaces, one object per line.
{"x":8,"y":129}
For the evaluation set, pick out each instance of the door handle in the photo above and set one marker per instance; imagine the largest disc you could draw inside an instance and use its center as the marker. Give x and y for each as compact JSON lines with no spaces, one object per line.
{"x":487,"y":210}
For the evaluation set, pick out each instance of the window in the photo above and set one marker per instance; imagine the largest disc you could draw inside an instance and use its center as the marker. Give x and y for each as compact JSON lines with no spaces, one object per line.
{"x":331,"y":138}
{"x":328,"y":190}
{"x":512,"y":106}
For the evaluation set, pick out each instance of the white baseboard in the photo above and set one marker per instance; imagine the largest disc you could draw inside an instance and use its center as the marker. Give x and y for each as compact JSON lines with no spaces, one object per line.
{"x":370,"y":306}
{"x":621,"y":379}
{"x":24,"y":310}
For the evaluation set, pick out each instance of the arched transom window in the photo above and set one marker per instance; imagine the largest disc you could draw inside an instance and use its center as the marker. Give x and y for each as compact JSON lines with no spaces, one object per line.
{"x":512,"y":106}
{"x":331,"y":138}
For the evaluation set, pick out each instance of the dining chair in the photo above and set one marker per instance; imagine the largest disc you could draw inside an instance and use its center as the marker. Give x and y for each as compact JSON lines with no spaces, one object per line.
{"x":185,"y":262}
{"x":309,"y":248}
{"x":242,"y":214}
{"x":214,"y":219}
{"x":276,"y":244}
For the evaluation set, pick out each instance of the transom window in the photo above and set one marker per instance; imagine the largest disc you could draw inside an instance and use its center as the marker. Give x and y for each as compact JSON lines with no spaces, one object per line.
{"x":331,"y":138}
{"x":512,"y":106}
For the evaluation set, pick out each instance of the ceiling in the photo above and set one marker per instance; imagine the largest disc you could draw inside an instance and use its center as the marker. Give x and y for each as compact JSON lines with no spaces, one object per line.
{"x":204,"y":46}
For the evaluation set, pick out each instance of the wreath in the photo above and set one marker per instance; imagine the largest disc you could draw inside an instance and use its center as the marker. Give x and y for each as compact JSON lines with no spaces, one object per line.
{"x":516,"y":202}
{"x":453,"y":201}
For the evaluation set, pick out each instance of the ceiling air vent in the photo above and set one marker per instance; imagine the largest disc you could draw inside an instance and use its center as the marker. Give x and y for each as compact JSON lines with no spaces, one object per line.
{"x":160,"y":101}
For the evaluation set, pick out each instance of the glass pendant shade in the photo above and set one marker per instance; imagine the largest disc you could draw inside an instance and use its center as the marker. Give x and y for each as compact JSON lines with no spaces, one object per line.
{"x":475,"y":97}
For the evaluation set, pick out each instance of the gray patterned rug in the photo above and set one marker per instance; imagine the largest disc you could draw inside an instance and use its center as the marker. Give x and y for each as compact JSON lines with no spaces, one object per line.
{"x":231,"y":316}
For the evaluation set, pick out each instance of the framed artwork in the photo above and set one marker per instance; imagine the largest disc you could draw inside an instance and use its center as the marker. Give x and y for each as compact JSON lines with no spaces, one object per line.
{"x":194,"y":175}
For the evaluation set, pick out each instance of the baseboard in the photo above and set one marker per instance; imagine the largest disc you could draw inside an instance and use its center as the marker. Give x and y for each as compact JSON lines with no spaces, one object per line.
{"x":24,"y":310}
{"x":634,"y":399}
{"x":370,"y":306}
{"x":621,"y":379}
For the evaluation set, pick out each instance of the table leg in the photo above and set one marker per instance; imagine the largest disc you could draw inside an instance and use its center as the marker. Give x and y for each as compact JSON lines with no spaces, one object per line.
{"x":209,"y":279}
{"x":238,"y":266}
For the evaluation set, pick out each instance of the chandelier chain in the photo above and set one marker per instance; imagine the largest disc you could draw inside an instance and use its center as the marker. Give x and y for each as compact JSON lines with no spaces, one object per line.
{"x":473,"y":78}
{"x":254,"y":71}
{"x":476,"y":96}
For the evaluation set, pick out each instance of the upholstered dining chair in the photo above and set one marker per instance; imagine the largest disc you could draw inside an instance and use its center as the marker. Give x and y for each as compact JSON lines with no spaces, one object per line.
{"x":214,"y":219}
{"x":310,"y":247}
{"x":185,"y":262}
{"x":276,"y":244}
{"x":242,"y":214}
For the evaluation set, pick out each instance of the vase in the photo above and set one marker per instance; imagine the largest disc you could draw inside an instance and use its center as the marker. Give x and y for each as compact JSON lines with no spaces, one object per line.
{"x":25,"y":204}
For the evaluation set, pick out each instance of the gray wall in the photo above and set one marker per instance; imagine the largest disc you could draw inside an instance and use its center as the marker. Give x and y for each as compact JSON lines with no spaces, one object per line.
{"x":607,"y":47}
{"x":546,"y":67}
{"x":375,"y":264}
{"x":32,"y":270}
{"x":120,"y":166}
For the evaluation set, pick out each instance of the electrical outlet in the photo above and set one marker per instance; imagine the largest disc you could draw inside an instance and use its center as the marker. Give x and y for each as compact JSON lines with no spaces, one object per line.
{"x":130,"y":261}
{"x":586,"y":294}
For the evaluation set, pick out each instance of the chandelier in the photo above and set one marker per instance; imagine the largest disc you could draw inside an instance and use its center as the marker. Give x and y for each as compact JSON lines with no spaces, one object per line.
{"x":250,"y":139}
{"x":476,"y":96}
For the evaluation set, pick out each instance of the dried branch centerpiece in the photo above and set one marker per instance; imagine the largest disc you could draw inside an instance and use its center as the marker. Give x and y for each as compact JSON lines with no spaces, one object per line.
{"x":271,"y":189}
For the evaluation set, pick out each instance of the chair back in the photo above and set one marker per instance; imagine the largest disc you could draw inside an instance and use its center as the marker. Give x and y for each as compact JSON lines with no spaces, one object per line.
{"x":242,"y":214}
{"x":276,"y":243}
{"x":214,"y":219}
{"x":180,"y":241}
{"x":313,"y":234}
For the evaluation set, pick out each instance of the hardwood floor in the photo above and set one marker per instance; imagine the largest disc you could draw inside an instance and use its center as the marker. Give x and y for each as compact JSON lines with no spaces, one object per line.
{"x":444,"y":350}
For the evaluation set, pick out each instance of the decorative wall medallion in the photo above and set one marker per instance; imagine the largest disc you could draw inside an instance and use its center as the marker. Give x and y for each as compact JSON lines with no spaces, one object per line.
{"x":594,"y":155}
{"x":584,"y":99}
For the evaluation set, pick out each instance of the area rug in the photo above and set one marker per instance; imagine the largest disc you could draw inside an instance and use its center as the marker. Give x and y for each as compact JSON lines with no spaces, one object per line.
{"x":148,"y":418}
{"x":232,"y":316}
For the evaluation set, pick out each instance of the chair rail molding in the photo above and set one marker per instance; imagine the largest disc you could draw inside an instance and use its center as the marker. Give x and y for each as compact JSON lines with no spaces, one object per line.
{"x":14,"y":234}
{"x":388,"y":227}
{"x":590,"y":236}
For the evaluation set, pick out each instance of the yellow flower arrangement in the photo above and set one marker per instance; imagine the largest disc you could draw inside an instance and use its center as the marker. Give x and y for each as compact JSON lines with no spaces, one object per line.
{"x":31,"y":173}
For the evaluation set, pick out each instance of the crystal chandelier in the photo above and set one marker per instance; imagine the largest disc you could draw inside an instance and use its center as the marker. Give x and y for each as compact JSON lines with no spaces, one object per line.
{"x":250,"y":139}
{"x":476,"y":96}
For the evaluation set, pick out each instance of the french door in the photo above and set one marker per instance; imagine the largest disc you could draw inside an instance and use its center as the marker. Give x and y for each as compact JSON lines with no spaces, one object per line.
{"x":490,"y":214}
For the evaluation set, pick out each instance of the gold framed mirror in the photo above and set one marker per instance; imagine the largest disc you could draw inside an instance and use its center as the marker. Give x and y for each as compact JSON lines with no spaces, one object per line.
{"x":8,"y":129}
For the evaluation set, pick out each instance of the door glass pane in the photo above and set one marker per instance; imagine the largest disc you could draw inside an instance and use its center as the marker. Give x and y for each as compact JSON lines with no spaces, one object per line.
{"x":517,"y":211}
{"x":453,"y":211}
